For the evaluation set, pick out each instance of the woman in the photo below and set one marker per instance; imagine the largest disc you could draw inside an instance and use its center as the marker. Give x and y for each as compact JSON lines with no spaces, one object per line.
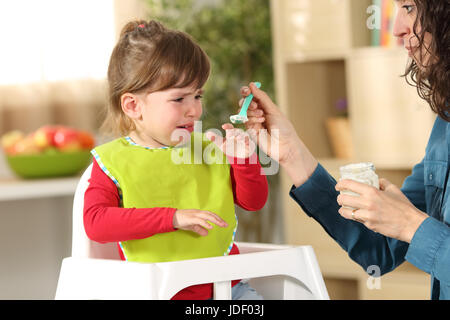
{"x":390,"y":225}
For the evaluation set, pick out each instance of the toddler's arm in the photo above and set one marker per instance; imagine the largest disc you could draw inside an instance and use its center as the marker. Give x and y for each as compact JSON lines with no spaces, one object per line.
{"x":250,"y":187}
{"x":105,"y":221}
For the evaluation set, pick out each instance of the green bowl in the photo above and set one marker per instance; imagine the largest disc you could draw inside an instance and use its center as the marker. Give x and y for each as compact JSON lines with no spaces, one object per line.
{"x":52,"y":164}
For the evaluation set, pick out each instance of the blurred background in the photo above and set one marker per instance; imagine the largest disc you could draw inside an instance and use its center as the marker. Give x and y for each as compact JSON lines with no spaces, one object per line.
{"x":331,"y":65}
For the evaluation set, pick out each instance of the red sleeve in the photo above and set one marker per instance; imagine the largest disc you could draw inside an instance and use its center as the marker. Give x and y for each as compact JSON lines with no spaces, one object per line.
{"x":250,"y":187}
{"x":105,"y":221}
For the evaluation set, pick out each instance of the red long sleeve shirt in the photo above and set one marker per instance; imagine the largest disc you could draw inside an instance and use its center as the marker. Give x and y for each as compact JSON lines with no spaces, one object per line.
{"x":105,"y":221}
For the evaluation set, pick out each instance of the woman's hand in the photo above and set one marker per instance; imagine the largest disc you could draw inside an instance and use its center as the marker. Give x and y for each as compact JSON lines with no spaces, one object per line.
{"x":282,"y":142}
{"x":276,"y":136}
{"x":387,"y":211}
{"x":197,"y":221}
{"x":236,"y":144}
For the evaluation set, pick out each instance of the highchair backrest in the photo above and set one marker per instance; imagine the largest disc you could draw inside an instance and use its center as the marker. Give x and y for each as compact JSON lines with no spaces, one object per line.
{"x":82,"y":246}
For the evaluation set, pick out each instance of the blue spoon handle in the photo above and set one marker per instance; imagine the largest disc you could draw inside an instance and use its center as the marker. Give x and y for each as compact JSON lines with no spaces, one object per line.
{"x":247,"y":101}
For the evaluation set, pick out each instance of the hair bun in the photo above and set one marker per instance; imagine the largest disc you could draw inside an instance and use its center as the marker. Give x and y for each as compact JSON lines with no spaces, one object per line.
{"x":155,"y":27}
{"x":152,"y":27}
{"x":132,"y":26}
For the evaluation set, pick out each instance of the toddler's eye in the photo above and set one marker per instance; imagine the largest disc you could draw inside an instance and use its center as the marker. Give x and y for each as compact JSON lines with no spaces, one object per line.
{"x":198,"y":97}
{"x":178,"y":100}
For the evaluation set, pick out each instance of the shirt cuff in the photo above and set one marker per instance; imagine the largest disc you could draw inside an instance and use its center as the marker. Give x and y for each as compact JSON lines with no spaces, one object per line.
{"x":168,"y":226}
{"x":423,"y":251}
{"x":316,"y":192}
{"x":245,"y":162}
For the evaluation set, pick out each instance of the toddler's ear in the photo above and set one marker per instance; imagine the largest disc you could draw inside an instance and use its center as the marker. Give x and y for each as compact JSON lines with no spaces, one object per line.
{"x":130,"y":106}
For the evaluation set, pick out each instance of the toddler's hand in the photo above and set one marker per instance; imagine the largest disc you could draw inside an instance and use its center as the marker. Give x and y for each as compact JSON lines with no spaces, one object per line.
{"x":237,"y":142}
{"x":197,"y":221}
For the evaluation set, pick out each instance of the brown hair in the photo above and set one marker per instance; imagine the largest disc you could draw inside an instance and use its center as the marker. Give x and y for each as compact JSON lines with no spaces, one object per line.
{"x":150,"y":57}
{"x":433,"y":79}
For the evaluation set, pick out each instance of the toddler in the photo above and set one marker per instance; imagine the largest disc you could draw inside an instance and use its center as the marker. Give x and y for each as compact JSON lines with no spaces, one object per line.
{"x":158,"y":210}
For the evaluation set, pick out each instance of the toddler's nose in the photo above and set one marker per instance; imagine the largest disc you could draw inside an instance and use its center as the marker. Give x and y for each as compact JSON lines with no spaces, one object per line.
{"x":193,"y":111}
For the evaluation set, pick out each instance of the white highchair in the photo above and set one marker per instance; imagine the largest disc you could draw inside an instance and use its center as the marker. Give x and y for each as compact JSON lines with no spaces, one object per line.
{"x":95,"y":271}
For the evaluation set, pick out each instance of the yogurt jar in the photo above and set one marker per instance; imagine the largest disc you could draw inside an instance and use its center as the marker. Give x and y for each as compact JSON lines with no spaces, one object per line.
{"x":363,"y":172}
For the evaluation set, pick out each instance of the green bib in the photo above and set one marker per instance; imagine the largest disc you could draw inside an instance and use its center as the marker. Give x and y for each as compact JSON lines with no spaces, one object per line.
{"x":196,"y":176}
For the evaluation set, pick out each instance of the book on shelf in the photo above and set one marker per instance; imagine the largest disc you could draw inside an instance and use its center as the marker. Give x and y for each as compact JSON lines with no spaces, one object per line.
{"x":383,"y":31}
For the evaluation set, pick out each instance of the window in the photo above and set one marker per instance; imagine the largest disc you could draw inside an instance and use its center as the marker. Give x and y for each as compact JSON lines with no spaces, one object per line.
{"x":55,"y":39}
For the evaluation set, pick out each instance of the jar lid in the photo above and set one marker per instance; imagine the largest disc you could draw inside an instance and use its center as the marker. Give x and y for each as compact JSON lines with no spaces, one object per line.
{"x":357,"y":167}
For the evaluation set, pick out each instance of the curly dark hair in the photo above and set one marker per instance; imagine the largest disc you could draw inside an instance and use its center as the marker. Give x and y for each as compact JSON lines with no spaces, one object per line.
{"x":432,"y":79}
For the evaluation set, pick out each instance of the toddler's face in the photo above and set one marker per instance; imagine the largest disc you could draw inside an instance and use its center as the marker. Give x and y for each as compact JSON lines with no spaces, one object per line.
{"x":163,"y":112}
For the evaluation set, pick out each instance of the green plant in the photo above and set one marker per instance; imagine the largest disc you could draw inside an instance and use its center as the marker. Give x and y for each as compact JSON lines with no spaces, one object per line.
{"x":236,"y":36}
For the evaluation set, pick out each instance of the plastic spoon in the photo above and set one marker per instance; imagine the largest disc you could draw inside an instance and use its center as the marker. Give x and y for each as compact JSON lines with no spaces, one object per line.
{"x":242,"y":116}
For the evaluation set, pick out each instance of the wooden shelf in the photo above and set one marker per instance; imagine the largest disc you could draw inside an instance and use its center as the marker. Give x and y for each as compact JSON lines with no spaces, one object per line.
{"x":18,"y":189}
{"x":368,"y":51}
{"x":316,"y":56}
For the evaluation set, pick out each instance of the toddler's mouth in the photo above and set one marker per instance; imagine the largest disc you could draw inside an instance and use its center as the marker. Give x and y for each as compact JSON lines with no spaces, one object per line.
{"x":189,"y":127}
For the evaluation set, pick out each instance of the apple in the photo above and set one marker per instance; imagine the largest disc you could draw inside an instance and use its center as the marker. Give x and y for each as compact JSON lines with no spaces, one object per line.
{"x":25,"y":146}
{"x":67,"y":140}
{"x":9,"y":139}
{"x":48,"y":139}
{"x":86,"y":139}
{"x":44,"y":136}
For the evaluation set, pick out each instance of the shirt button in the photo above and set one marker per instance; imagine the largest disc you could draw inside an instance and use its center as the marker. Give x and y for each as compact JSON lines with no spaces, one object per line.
{"x":430,"y":177}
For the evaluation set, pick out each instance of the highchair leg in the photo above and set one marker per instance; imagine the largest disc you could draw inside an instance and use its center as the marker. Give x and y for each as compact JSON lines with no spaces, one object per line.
{"x":222,"y":290}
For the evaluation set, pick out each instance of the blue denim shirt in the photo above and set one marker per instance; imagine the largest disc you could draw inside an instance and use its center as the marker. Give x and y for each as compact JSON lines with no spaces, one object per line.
{"x":426,"y":187}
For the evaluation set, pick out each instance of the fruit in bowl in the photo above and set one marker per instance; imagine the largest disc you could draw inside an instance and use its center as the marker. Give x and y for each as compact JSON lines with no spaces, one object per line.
{"x":50,"y":151}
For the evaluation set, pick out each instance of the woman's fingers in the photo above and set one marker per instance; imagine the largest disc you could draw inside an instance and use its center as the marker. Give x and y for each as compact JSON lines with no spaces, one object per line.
{"x":245,"y":91}
{"x":253,"y":106}
{"x":393,"y":190}
{"x":358,"y":215}
{"x":354,"y":186}
{"x":255,"y":120}
{"x":255,"y":113}
{"x":346,"y":212}
{"x":351,"y":201}
{"x":264,"y":101}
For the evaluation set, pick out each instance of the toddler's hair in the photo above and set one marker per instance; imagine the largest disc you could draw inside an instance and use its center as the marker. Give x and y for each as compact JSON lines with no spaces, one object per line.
{"x":150,"y":57}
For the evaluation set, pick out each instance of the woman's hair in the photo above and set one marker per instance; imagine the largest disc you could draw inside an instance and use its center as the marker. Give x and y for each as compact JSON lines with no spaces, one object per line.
{"x":147,"y":58}
{"x":432,"y":77}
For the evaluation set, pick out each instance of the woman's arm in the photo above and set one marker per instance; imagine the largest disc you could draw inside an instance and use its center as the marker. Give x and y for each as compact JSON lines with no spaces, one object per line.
{"x":314,"y":189}
{"x":414,"y":187}
{"x":276,"y":136}
{"x":317,"y":197}
{"x":430,"y":249}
